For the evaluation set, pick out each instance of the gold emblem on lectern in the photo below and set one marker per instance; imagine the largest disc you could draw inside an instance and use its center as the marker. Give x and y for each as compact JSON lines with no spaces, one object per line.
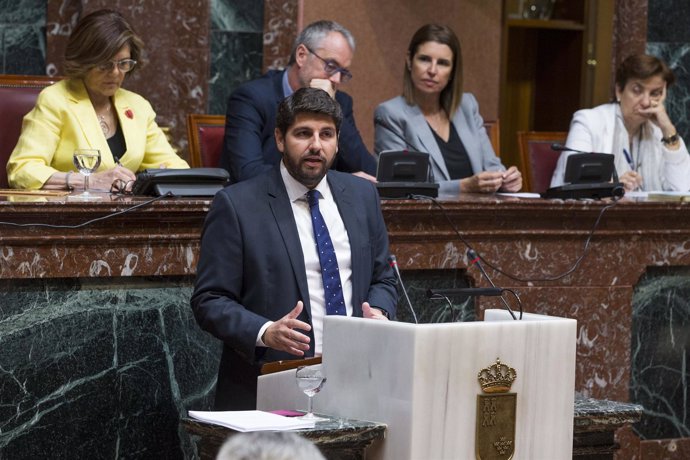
{"x":495,"y":436}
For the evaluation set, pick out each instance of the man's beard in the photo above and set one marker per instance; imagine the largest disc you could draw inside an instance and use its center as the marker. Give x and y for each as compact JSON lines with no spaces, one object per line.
{"x":306,"y":174}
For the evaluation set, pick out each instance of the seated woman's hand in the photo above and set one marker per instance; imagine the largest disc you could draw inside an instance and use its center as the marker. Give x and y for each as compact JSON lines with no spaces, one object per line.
{"x":512,"y":180}
{"x":631,"y":180}
{"x":484,"y":182}
{"x":104,"y":180}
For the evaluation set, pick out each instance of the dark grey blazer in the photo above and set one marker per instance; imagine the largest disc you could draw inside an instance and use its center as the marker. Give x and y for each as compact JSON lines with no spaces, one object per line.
{"x":251,"y":270}
{"x":396,"y":120}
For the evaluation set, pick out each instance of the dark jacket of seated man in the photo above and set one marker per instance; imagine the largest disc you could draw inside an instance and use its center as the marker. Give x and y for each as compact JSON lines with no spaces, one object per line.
{"x":249,"y":147}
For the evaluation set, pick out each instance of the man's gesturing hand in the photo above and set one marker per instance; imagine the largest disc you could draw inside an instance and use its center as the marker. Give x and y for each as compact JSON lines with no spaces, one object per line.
{"x":283,"y":334}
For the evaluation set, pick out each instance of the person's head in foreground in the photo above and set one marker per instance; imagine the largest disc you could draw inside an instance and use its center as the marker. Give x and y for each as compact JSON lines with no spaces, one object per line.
{"x":267,"y":445}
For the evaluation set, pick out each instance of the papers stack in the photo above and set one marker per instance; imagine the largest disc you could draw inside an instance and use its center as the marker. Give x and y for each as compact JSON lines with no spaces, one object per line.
{"x":251,"y":420}
{"x":668,"y":196}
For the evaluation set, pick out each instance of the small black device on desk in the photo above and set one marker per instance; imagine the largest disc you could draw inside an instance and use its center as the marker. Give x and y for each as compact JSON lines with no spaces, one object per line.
{"x":587,"y":175}
{"x":402,"y":173}
{"x":181,"y":182}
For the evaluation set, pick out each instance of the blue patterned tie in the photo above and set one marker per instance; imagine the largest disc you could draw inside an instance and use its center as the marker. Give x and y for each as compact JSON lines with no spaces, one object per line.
{"x":335,"y":303}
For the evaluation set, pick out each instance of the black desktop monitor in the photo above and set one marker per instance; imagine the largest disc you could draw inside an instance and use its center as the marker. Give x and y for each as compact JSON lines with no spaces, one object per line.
{"x":589,"y":168}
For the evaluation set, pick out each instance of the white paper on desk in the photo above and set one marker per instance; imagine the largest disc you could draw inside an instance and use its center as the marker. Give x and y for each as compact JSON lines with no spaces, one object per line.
{"x":636,"y":194}
{"x":251,"y":420}
{"x":520,"y":194}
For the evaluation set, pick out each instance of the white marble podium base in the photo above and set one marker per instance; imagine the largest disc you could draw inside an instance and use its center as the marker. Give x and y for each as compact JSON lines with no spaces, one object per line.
{"x":421,"y":380}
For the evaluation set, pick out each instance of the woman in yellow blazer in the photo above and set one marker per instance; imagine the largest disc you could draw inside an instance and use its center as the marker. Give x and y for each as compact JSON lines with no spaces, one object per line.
{"x":91,"y":110}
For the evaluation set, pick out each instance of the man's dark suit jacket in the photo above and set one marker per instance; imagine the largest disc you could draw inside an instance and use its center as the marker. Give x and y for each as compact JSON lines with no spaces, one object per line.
{"x":249,"y":147}
{"x":251,"y":270}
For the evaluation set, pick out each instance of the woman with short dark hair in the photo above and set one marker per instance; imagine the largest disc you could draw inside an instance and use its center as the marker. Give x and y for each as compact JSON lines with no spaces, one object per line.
{"x":648,"y":152}
{"x":434,"y":116}
{"x":90,"y":110}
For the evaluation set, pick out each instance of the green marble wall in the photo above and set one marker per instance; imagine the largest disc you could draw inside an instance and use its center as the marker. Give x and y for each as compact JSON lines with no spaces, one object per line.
{"x":236,"y":48}
{"x":105,"y":367}
{"x":101,"y":368}
{"x":668,"y":35}
{"x":22,"y":37}
{"x":660,"y":374}
{"x":417,"y":282}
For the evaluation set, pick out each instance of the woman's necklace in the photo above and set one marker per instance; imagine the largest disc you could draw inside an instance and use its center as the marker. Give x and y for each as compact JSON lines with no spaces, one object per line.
{"x":105,"y":127}
{"x":438,"y":123}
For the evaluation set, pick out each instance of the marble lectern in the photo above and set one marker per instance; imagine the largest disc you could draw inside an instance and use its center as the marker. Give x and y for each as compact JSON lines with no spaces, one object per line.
{"x":421,"y":380}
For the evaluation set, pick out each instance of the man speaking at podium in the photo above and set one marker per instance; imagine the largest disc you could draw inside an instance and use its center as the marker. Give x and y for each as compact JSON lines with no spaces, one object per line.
{"x":285,"y":248}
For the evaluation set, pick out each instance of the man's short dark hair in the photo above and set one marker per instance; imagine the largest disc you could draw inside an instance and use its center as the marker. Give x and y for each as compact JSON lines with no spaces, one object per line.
{"x":308,"y":100}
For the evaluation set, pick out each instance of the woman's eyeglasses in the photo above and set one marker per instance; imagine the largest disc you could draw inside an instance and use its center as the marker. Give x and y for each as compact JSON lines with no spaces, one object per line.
{"x":124,"y":66}
{"x":121,"y":187}
{"x":331,"y":67}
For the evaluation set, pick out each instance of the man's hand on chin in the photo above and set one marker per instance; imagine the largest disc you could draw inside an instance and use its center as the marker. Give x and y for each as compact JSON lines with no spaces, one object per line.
{"x":322,"y":83}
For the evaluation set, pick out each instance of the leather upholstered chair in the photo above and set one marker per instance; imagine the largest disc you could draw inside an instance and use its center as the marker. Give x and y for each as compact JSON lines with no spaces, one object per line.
{"x":538,"y":160}
{"x":18,"y":94}
{"x":205,"y":134}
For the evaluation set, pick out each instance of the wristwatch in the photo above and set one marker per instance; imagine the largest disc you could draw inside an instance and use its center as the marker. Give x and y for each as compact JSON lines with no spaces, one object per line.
{"x":670,"y":140}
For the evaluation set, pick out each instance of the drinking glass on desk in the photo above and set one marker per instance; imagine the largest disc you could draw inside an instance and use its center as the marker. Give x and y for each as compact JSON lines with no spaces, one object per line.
{"x":87,"y":162}
{"x":310,"y":380}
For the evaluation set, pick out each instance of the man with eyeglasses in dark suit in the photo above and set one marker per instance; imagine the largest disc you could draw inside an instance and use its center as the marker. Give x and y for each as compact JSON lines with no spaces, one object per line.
{"x":320,"y":58}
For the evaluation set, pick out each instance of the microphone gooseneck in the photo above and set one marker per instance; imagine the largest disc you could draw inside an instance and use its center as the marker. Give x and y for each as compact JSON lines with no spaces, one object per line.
{"x":492,"y":291}
{"x":381,"y":122}
{"x":475,"y":260}
{"x":557,"y":147}
{"x":393,"y":262}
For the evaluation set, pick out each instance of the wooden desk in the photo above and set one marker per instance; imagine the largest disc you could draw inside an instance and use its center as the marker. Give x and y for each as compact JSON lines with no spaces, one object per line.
{"x":98,"y":337}
{"x":595,"y":424}
{"x":159,"y":239}
{"x":337,"y":439}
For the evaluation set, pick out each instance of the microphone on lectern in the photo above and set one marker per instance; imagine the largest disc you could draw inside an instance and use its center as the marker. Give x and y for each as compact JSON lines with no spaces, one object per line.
{"x":475,"y":260}
{"x":556,"y":147}
{"x":393,"y":262}
{"x":493,"y":291}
